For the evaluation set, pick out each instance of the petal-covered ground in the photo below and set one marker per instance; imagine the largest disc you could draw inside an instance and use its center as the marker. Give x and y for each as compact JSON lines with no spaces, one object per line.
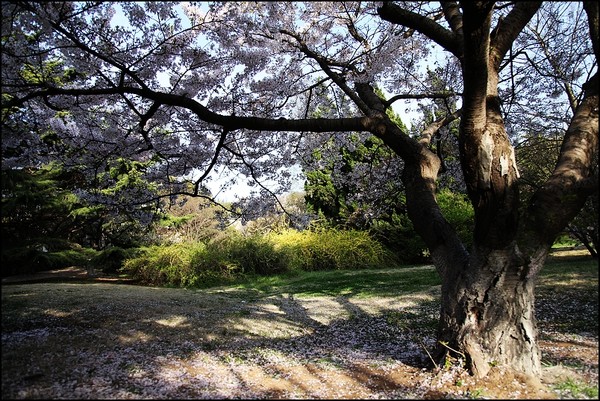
{"x":103,"y":340}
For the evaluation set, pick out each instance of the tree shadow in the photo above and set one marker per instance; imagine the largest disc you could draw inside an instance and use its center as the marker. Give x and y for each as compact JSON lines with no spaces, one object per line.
{"x":134,"y":341}
{"x":115,"y":341}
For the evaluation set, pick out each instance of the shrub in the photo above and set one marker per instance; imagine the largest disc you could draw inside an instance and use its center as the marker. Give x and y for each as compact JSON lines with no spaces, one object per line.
{"x":163,"y":265}
{"x":254,"y":254}
{"x":111,"y":260}
{"x":459,"y":212}
{"x":331,"y":249}
{"x":40,"y":257}
{"x":232,"y":255}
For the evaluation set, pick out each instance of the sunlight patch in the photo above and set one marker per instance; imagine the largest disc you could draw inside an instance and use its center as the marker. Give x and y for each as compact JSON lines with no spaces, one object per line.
{"x":173,"y":321}
{"x":134,"y":336}
{"x":59,"y":313}
{"x":269,"y":328}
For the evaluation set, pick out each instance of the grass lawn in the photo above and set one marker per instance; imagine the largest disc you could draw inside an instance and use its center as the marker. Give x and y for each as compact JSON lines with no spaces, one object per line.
{"x":334,"y":334}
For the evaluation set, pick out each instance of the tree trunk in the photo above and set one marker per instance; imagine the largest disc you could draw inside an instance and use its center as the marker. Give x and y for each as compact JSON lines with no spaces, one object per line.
{"x":488,"y":314}
{"x":487,"y":311}
{"x":586,"y":238}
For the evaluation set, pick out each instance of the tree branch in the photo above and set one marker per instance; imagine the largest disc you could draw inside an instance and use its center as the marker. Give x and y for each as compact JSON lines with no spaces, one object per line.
{"x":397,"y":15}
{"x":93,"y":52}
{"x":507,"y":29}
{"x":591,"y":8}
{"x":369,"y":97}
{"x":220,"y":146}
{"x":227,"y":121}
{"x":430,"y":131}
{"x":325,"y":66}
{"x":253,"y":175}
{"x":476,"y":28}
{"x":453,"y":16}
{"x":442,"y":95}
{"x":144,"y":119}
{"x":563,"y":195}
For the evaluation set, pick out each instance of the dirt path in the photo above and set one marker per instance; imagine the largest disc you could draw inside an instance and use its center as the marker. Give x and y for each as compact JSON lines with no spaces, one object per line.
{"x":68,"y":274}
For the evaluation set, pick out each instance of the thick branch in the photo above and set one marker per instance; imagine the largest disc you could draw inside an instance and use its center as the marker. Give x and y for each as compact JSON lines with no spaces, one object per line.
{"x":229,"y":122}
{"x":369,"y":97}
{"x":507,"y":29}
{"x":476,"y":73}
{"x":445,"y":38}
{"x":453,"y":16}
{"x":419,"y":176}
{"x":562,"y":196}
{"x":430,"y":131}
{"x":591,"y":8}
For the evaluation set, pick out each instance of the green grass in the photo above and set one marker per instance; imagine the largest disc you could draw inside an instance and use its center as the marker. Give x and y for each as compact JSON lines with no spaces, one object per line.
{"x":582,"y":266}
{"x":361,"y":283}
{"x":571,"y":283}
{"x":568,"y":273}
{"x":559,"y":274}
{"x":577,"y":389}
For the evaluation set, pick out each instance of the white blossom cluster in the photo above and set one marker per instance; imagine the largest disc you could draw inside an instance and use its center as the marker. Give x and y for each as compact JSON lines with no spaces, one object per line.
{"x":255,"y":59}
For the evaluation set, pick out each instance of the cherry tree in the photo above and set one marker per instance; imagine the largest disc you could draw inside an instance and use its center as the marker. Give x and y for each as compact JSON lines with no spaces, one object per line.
{"x":193,"y":90}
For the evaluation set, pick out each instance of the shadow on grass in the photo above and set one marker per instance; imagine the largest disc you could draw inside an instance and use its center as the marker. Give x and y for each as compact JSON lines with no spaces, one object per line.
{"x":114,"y":340}
{"x":363,"y":283}
{"x":298,"y":337}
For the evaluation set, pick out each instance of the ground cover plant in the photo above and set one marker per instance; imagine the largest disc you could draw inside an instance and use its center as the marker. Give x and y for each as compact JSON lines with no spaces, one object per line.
{"x":319,"y":334}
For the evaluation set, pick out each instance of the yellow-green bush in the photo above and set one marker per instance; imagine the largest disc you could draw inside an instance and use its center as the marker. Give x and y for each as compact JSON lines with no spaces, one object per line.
{"x":330,"y":249}
{"x":233,"y":255}
{"x":167,"y":265}
{"x":254,"y":254}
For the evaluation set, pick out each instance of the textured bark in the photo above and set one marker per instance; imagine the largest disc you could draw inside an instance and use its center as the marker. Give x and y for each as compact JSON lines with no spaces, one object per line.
{"x":421,"y":168}
{"x":488,"y":314}
{"x":445,"y":247}
{"x":487,"y":310}
{"x":397,"y":15}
